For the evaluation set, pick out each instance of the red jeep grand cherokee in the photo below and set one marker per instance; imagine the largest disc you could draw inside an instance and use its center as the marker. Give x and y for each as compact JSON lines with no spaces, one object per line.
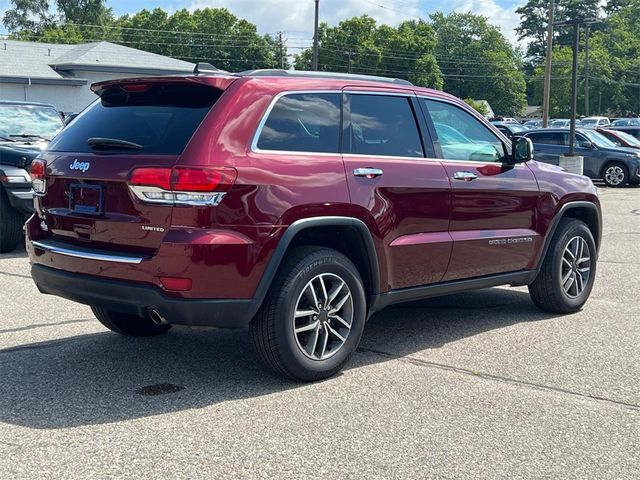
{"x":297,"y":204}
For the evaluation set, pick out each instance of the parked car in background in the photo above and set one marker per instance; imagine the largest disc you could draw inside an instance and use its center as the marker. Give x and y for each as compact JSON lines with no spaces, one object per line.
{"x":510,"y":129}
{"x":559,"y":123}
{"x":620,"y":138}
{"x":533,"y":123}
{"x":626,"y":122}
{"x":505,"y":120}
{"x":634,"y":131}
{"x":603,"y":159}
{"x":297,"y":204}
{"x":25,"y":130}
{"x":594,"y":122}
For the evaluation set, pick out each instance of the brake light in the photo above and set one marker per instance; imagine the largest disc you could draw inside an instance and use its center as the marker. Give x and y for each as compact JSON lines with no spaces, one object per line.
{"x":182,"y":185}
{"x":151,"y":177}
{"x":137,"y":87}
{"x":203,"y":179}
{"x":38,"y":176}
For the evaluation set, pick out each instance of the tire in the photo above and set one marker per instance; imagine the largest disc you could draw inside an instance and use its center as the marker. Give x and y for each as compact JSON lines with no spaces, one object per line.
{"x":548,"y":291}
{"x":615,"y":174}
{"x":11,"y":222}
{"x":127,"y":324}
{"x":305,"y":355}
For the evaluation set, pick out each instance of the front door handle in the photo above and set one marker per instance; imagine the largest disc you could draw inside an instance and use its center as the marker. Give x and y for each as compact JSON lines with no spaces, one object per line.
{"x":367,"y":172}
{"x":466,"y":176}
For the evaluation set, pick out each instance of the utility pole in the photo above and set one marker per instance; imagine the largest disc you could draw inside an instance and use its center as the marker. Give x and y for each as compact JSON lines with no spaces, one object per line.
{"x":281,"y":48}
{"x":574,"y":89}
{"x":314,"y":65}
{"x":349,"y":55}
{"x":547,"y":69}
{"x":586,"y":70}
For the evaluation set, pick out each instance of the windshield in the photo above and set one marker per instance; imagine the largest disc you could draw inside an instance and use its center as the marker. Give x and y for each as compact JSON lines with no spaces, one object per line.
{"x":29,"y":120}
{"x":558,"y":123}
{"x":518,"y":128}
{"x":598,"y":139}
{"x":630,"y":139}
{"x":589,"y":121}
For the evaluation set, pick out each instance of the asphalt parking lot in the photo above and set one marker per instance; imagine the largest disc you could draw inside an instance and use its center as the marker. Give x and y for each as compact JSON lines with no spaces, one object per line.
{"x":476,"y":385}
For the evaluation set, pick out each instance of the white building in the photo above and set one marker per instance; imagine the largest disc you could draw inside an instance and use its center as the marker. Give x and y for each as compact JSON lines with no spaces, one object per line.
{"x":62,"y":74}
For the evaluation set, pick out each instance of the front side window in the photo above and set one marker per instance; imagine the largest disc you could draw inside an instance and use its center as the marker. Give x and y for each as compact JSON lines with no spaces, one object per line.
{"x":383,"y":125}
{"x":303,"y":122}
{"x":472,"y":140}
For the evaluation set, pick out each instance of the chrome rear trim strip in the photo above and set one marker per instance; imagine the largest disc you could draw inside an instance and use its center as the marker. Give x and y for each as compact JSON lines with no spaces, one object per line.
{"x":85,"y":253}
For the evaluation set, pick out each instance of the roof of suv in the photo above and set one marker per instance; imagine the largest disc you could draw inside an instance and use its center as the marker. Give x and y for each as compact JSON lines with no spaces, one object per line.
{"x":282,"y":80}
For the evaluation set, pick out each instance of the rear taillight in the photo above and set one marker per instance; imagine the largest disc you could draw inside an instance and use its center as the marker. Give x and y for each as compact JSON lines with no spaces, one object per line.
{"x":38,"y":179}
{"x":182,"y":185}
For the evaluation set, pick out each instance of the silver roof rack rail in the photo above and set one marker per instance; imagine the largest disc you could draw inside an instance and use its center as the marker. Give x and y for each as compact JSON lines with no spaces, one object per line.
{"x":312,"y":74}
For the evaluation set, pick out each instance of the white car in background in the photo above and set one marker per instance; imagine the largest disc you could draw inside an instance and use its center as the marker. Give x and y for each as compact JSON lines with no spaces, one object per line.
{"x":595,"y":122}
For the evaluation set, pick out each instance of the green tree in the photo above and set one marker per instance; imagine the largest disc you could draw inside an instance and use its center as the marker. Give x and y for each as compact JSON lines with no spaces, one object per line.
{"x":212,"y":35}
{"x":34,"y":17}
{"x":477,"y":61}
{"x":359,"y":45}
{"x":534,"y":22}
{"x":477,"y":105}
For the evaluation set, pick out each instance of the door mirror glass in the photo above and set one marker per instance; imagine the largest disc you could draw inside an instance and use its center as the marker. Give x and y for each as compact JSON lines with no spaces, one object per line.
{"x":522,"y":150}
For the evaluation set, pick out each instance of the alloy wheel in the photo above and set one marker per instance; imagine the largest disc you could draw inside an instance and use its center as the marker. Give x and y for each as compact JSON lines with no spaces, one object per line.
{"x":576,"y":267}
{"x":323,"y":316}
{"x":614,"y":175}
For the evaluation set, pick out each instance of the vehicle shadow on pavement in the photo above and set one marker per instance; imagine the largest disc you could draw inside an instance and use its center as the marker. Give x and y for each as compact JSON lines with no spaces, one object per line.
{"x":96,"y":378}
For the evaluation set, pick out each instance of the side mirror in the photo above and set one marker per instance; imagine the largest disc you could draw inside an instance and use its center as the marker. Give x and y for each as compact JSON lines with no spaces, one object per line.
{"x":521,"y":149}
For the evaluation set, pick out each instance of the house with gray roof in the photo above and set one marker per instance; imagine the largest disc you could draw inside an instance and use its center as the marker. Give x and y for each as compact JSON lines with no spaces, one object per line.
{"x":61,"y":74}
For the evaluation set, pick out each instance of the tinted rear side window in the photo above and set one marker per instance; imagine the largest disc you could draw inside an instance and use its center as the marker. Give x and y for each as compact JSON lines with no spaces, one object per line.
{"x":160,"y":118}
{"x":547,"y":138}
{"x":303,"y":122}
{"x":383,"y":125}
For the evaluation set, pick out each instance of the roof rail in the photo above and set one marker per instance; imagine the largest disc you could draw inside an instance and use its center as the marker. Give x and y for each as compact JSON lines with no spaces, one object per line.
{"x":312,"y":74}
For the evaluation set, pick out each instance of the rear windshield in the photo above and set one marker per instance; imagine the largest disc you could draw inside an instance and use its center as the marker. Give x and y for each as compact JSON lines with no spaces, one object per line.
{"x":158,"y":118}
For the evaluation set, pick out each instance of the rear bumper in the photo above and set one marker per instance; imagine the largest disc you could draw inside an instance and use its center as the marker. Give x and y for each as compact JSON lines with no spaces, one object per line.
{"x":128,"y":297}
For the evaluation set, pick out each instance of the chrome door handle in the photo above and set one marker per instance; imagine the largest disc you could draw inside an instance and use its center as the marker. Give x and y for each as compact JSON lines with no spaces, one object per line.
{"x":466,"y":176}
{"x":367,"y":172}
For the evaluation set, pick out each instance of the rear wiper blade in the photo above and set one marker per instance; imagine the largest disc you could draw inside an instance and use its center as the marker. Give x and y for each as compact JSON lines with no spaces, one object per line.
{"x":31,"y":135}
{"x":7,"y":139}
{"x":99,"y":143}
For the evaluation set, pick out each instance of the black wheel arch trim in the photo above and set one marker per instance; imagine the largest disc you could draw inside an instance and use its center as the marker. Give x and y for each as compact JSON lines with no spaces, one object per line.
{"x":556,"y":221}
{"x":298,"y":226}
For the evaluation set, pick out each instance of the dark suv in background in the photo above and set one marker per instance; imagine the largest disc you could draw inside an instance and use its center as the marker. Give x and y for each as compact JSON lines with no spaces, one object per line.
{"x":25,"y":130}
{"x":297,"y":204}
{"x":603,"y":159}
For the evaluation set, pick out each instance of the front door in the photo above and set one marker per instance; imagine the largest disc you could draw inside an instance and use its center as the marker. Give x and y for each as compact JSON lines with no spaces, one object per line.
{"x":395,"y":181}
{"x":493,"y":210}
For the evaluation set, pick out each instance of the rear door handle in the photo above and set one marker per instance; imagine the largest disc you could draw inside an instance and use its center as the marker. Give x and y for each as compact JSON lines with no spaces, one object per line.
{"x":466,"y":176}
{"x":367,"y":172}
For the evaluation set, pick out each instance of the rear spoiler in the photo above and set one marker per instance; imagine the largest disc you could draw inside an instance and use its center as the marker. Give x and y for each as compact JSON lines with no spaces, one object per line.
{"x":221,"y":81}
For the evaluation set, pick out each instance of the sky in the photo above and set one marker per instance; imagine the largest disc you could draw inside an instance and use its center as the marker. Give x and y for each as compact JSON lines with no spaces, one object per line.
{"x":295,"y":17}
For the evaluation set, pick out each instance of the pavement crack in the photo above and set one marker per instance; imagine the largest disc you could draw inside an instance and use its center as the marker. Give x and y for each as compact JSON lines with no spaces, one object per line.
{"x":18,"y":275}
{"x":500,"y":378}
{"x":41,"y":325}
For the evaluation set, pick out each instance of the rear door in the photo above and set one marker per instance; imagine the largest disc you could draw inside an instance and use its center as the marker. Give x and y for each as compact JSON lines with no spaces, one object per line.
{"x":493,"y":209}
{"x":395,"y":181}
{"x":134,"y":125}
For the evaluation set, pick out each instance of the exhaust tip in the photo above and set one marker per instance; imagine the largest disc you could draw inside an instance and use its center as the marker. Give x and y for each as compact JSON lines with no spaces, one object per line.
{"x":157,"y":318}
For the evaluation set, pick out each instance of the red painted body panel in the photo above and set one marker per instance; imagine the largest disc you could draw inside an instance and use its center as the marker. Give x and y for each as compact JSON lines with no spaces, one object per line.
{"x":410,"y":198}
{"x":426,"y":228}
{"x":501,"y":199}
